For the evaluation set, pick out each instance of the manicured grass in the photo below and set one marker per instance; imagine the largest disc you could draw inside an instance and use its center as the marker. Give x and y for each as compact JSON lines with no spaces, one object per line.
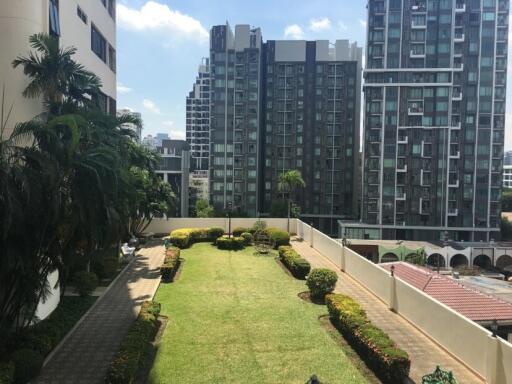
{"x":234,"y":317}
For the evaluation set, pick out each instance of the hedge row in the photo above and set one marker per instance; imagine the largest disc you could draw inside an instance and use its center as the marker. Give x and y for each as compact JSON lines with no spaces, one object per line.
{"x":125,"y":364}
{"x":230,"y":243}
{"x":171,"y":263}
{"x":22,"y":354}
{"x":380,"y":353}
{"x":185,"y":237}
{"x":278,"y":237}
{"x":298,"y":266}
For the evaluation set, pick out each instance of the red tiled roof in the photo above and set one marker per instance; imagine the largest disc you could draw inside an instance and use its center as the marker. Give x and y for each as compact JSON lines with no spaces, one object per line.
{"x":469,"y":302}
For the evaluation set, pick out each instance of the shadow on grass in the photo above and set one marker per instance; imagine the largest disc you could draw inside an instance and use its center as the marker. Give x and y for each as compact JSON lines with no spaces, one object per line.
{"x":306,"y":296}
{"x":352,"y":355}
{"x":143,"y":371}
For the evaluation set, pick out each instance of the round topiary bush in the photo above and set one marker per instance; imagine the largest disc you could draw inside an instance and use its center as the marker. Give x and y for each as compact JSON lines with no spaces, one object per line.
{"x":215,"y":232}
{"x":239,"y":230}
{"x":27,"y":365}
{"x":248,"y":238}
{"x":321,"y":281}
{"x":85,"y":282}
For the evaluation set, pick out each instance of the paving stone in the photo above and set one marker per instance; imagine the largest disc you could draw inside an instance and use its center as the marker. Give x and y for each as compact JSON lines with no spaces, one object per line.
{"x":86,"y":353}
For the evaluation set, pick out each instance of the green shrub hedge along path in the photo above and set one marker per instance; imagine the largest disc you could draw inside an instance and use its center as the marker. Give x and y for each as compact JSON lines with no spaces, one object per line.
{"x":235,"y":317}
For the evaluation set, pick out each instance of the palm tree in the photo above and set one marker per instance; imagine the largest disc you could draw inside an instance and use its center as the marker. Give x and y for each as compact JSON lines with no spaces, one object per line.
{"x":288,"y":183}
{"x":55,"y":75}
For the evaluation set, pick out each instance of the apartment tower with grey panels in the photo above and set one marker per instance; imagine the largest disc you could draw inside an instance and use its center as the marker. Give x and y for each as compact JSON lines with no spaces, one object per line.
{"x":198,"y":119}
{"x":434,"y":119}
{"x":311,"y":103}
{"x":235,"y":66}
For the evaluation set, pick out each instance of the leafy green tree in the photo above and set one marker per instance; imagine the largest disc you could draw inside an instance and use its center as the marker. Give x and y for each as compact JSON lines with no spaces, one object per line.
{"x":72,"y":182}
{"x":204,"y":209}
{"x":288,"y":183}
{"x":506,"y":200}
{"x":506,"y":229}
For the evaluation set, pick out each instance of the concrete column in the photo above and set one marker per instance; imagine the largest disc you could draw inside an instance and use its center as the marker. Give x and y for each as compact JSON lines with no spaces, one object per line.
{"x":492,"y":355}
{"x":392,"y":292}
{"x":311,"y":235}
{"x":342,"y":260}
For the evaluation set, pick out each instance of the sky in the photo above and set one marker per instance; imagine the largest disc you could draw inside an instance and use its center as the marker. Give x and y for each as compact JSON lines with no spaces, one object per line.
{"x":160,"y":44}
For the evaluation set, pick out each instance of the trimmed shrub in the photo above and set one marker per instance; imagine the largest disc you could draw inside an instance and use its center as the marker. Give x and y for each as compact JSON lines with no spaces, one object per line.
{"x":321,"y":281}
{"x":171,"y":263}
{"x":85,"y":282}
{"x":298,"y":266}
{"x":7,"y":372}
{"x":278,"y":237}
{"x":214,"y":233}
{"x":248,"y":238}
{"x":230,"y":243}
{"x":374,"y":346}
{"x":185,"y":237}
{"x":258,"y":226}
{"x":239,"y":230}
{"x":27,"y":365}
{"x":125,"y":364}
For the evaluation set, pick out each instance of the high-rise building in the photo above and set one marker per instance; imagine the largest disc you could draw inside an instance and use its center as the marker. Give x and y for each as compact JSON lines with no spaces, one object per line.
{"x":311,"y":101}
{"x":235,"y":66}
{"x":89,"y":26}
{"x":434,"y":121}
{"x":507,"y":158}
{"x":136,"y":128}
{"x":174,"y":169}
{"x":198,"y":118}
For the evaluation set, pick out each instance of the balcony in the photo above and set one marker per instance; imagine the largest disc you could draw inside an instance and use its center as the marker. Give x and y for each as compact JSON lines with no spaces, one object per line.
{"x":417,"y":55}
{"x":459,"y":37}
{"x":418,"y":25}
{"x":401,"y":168}
{"x":403,"y":139}
{"x":415,"y":109}
{"x":457,"y":94}
{"x":419,"y":8}
{"x":460,"y":7}
{"x":453,"y":212}
{"x":401,"y":195}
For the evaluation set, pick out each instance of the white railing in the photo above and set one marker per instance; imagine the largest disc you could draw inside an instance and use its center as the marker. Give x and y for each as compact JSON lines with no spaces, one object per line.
{"x":489,"y":357}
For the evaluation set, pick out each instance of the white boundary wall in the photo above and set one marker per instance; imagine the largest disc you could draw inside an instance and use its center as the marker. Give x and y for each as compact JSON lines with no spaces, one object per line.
{"x":168,"y":225}
{"x":44,"y":308}
{"x":489,"y":357}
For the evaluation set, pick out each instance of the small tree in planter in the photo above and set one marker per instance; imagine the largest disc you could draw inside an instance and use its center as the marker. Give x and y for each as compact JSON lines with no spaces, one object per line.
{"x":320,"y":282}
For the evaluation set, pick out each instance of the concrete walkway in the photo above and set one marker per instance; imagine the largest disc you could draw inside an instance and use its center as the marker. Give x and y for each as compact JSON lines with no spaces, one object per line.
{"x":85,"y":354}
{"x":423,"y":352}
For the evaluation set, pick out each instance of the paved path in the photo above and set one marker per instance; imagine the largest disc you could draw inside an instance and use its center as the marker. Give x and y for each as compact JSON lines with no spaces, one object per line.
{"x":424,"y":353}
{"x":86,"y":353}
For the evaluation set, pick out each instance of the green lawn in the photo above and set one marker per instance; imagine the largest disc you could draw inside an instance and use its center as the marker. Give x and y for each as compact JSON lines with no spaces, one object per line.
{"x":235,"y":317}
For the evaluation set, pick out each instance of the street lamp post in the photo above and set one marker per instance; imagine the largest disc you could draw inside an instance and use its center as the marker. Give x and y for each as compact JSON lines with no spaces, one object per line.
{"x":230,"y":206}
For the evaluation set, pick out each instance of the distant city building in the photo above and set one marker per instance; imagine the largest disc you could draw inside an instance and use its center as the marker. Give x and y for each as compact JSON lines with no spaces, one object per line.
{"x":160,"y":137}
{"x":508,"y":158}
{"x":136,"y":128}
{"x":149,"y":141}
{"x":174,"y":168}
{"x":198,"y":118}
{"x":88,"y":26}
{"x":284,"y":105}
{"x":507,"y":176}
{"x":311,"y":101}
{"x":435,"y":88}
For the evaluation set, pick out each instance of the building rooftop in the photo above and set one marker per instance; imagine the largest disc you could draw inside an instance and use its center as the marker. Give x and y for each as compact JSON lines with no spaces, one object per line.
{"x":467,"y":300}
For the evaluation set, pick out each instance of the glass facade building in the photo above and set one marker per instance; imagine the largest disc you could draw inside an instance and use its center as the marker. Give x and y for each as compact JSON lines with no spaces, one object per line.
{"x":434,"y":119}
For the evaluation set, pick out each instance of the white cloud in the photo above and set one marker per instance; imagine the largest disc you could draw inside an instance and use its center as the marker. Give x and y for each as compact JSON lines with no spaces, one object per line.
{"x":159,"y":17}
{"x":177,"y":134}
{"x":362,"y":22}
{"x":150,"y":106}
{"x":320,"y":24}
{"x":123,"y":89}
{"x":294,"y":31}
{"x":342,"y":26}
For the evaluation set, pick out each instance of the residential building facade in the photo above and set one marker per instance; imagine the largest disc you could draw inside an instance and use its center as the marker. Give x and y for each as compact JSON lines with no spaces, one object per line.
{"x":174,"y":169}
{"x":198,"y":118}
{"x":89,"y":26}
{"x":434,"y":88}
{"x":507,"y":176}
{"x":311,"y":102}
{"x":507,"y":158}
{"x":235,"y":66}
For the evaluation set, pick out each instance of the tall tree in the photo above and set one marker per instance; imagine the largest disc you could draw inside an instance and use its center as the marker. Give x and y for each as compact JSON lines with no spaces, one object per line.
{"x":288,"y":183}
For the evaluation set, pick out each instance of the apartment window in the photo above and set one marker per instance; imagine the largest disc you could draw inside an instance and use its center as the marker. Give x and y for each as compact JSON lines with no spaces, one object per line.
{"x":112,"y":8}
{"x":81,"y":14}
{"x":54,"y":18}
{"x":112,"y":58}
{"x":98,"y":44}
